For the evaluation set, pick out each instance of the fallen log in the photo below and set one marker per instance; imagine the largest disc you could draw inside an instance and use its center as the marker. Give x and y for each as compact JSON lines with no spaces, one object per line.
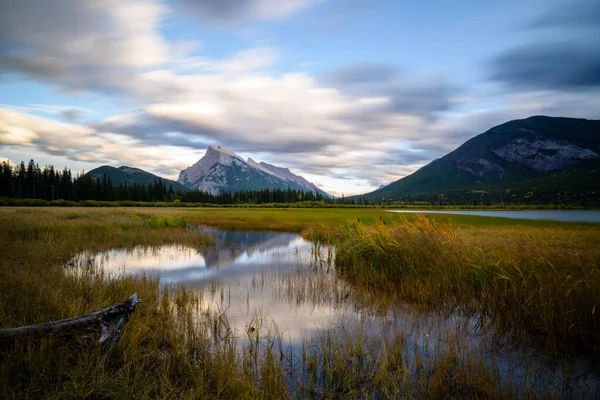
{"x":107,"y":323}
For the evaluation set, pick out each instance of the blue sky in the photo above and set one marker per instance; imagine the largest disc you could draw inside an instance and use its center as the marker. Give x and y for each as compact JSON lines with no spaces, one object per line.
{"x":349,"y":93}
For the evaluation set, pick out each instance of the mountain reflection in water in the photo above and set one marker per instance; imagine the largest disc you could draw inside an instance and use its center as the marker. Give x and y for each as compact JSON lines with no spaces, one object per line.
{"x":232,"y":253}
{"x":280,"y":285}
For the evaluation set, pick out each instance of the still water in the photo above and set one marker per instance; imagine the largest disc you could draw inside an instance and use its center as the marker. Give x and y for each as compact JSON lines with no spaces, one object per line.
{"x":550,"y":215}
{"x":282,"y":286}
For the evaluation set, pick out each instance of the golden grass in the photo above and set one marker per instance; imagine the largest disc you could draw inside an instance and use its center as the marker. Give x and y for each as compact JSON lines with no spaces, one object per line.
{"x":150,"y":361}
{"x":538,"y":280}
{"x":535,"y":284}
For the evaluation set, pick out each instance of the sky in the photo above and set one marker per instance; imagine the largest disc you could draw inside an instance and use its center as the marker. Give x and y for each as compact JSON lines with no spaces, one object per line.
{"x":350,"y":94}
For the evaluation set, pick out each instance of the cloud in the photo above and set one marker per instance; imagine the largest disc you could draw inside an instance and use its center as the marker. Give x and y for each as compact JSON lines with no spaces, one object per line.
{"x":185,"y":104}
{"x":72,"y":114}
{"x":425,"y":99}
{"x":251,"y":111}
{"x":567,"y":66}
{"x":372,"y":122}
{"x":7,"y":160}
{"x":289,"y":120}
{"x":360,"y":73}
{"x":246,"y":60}
{"x":404,"y":92}
{"x":234,"y":11}
{"x":338,"y":18}
{"x":406,"y":156}
{"x":68,"y":112}
{"x":28,"y":130}
{"x":572,"y":14}
{"x":154,"y":131}
{"x":81,"y":45}
{"x":567,"y":57}
{"x":82,"y":143}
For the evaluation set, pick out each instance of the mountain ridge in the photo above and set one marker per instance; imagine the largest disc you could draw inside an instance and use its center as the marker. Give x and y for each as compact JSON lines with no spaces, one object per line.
{"x":518,"y":153}
{"x":222,"y":170}
{"x":122,"y":174}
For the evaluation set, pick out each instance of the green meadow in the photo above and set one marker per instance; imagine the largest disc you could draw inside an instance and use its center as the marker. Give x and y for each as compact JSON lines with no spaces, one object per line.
{"x":534,"y":284}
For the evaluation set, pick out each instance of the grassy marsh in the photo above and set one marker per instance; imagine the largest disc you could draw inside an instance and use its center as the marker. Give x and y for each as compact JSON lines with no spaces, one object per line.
{"x":532,"y":281}
{"x":532,"y":284}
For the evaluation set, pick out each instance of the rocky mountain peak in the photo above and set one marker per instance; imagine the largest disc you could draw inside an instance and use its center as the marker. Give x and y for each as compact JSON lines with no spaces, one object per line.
{"x":220,"y":169}
{"x":223,"y":150}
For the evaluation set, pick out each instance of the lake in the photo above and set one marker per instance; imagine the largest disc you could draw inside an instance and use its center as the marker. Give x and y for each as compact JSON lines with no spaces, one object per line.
{"x":550,"y":215}
{"x":285,"y":290}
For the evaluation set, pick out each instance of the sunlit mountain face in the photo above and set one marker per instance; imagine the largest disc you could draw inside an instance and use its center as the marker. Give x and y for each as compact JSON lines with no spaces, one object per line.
{"x":221,"y":170}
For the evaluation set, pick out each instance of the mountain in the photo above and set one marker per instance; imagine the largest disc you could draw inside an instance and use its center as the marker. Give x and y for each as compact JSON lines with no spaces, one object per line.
{"x":222,"y":170}
{"x":287,"y":175}
{"x":544,"y":154}
{"x":131,"y":175}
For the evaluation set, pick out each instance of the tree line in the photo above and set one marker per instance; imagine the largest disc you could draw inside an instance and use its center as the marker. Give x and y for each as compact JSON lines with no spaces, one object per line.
{"x":32,"y":182}
{"x":29,"y":181}
{"x":262,"y":196}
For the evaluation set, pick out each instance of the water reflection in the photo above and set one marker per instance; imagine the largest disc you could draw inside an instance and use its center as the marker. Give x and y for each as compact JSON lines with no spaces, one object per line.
{"x":233,"y":253}
{"x":280,"y":286}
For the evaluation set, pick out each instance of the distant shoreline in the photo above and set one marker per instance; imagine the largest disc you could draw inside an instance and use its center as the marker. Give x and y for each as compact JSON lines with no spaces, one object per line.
{"x":12,"y":202}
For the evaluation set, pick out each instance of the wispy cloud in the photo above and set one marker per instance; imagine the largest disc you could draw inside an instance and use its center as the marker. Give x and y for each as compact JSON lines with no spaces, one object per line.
{"x":82,"y":143}
{"x":81,"y":45}
{"x":550,"y":66}
{"x":68,"y":112}
{"x":569,"y":60}
{"x":368,"y":122}
{"x":573,"y":14}
{"x":235,"y":11}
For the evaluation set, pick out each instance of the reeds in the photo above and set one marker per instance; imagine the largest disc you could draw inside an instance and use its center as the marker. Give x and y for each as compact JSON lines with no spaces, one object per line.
{"x":535,"y":285}
{"x":539,"y":284}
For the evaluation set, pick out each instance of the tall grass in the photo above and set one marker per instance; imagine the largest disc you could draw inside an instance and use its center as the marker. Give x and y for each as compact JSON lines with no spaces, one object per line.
{"x":176,"y":347}
{"x":375,"y":355}
{"x":155,"y":356}
{"x":171,"y":221}
{"x":541,"y":286}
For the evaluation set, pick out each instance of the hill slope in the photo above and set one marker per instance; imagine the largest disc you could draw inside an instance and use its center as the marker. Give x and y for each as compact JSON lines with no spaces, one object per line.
{"x":221,"y":170}
{"x":538,"y":153}
{"x":130,"y":175}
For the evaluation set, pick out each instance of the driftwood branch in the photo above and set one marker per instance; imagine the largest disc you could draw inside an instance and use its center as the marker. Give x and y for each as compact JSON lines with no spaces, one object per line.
{"x":107,"y":323}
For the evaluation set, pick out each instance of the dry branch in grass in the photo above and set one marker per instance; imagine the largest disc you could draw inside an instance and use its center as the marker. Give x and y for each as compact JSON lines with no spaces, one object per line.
{"x":106,"y":323}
